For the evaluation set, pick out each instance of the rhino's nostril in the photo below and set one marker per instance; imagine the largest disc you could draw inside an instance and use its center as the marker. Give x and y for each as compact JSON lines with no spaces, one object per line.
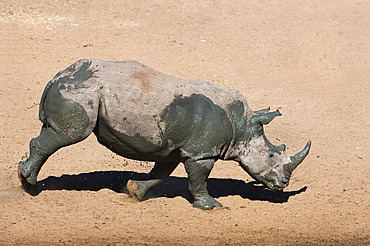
{"x":285,"y":180}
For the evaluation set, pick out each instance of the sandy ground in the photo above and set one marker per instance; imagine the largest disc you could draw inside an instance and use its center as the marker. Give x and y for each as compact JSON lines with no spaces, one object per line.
{"x":311,"y":58}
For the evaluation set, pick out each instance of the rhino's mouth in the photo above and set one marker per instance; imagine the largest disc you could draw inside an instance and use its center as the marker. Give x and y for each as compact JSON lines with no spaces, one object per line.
{"x":275,"y":184}
{"x":273,"y":187}
{"x":270,"y":180}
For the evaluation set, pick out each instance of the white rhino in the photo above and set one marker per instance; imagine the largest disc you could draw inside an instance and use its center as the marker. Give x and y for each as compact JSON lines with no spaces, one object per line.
{"x":143,"y":114}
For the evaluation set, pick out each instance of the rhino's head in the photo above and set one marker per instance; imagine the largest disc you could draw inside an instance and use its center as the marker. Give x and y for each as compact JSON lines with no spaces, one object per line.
{"x":265,"y":162}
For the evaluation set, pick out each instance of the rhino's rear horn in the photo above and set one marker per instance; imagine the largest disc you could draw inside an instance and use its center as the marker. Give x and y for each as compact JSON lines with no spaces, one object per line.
{"x":282,"y":147}
{"x":264,"y":118}
{"x":298,"y":158}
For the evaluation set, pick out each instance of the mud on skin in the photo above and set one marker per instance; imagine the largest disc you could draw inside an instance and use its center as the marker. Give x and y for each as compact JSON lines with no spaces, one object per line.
{"x":168,"y":121}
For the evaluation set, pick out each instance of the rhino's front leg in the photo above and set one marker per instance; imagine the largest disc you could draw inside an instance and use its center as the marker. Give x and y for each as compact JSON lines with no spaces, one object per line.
{"x":198,"y":172}
{"x":160,"y":171}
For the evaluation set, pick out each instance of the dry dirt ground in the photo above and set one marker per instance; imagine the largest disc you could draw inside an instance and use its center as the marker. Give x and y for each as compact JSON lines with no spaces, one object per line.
{"x":310,"y":58}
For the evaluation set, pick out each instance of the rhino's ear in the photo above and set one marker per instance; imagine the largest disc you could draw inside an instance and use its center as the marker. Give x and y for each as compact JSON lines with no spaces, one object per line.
{"x":264,"y":118}
{"x":262,"y":111}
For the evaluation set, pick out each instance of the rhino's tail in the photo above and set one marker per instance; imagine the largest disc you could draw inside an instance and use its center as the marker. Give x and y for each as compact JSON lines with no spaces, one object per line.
{"x":42,"y":114}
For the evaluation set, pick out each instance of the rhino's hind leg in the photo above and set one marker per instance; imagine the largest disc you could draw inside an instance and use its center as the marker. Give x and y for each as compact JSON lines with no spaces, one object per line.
{"x":41,"y":148}
{"x":67,"y":123}
{"x":23,"y":179}
{"x":198,"y":172}
{"x":160,"y":171}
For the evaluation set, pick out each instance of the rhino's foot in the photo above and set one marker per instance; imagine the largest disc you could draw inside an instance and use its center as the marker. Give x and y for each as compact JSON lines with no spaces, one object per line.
{"x":25,"y":183}
{"x":133,"y":190}
{"x":206,"y":202}
{"x":138,"y":188}
{"x":26,"y":174}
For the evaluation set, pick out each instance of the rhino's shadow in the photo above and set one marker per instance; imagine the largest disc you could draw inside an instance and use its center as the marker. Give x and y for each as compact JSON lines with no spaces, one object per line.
{"x":172,"y":187}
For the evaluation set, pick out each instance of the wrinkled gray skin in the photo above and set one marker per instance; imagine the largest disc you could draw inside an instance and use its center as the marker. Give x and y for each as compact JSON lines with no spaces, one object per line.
{"x":142,"y":114}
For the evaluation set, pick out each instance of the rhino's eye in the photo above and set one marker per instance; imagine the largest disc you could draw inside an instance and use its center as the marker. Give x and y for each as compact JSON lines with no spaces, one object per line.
{"x":271,"y":154}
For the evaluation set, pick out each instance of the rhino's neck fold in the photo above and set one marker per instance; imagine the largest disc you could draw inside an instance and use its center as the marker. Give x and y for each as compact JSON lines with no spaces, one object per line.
{"x":240,"y":133}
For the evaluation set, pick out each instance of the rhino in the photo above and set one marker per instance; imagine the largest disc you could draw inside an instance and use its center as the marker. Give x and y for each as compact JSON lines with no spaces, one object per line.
{"x":143,"y":114}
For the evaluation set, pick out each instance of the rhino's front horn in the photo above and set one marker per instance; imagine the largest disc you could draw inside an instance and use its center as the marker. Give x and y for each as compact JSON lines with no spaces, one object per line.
{"x":298,"y":158}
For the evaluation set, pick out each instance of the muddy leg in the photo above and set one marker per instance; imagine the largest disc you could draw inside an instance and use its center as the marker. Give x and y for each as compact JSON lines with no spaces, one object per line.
{"x":67,"y":123}
{"x":41,"y":148}
{"x":198,"y":172}
{"x":160,"y":171}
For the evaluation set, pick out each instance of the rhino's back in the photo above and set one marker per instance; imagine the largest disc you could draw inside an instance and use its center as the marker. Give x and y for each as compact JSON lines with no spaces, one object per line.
{"x":132,"y":96}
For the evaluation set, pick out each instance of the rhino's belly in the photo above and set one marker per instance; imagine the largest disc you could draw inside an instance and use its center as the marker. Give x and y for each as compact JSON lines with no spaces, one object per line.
{"x":134,"y":147}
